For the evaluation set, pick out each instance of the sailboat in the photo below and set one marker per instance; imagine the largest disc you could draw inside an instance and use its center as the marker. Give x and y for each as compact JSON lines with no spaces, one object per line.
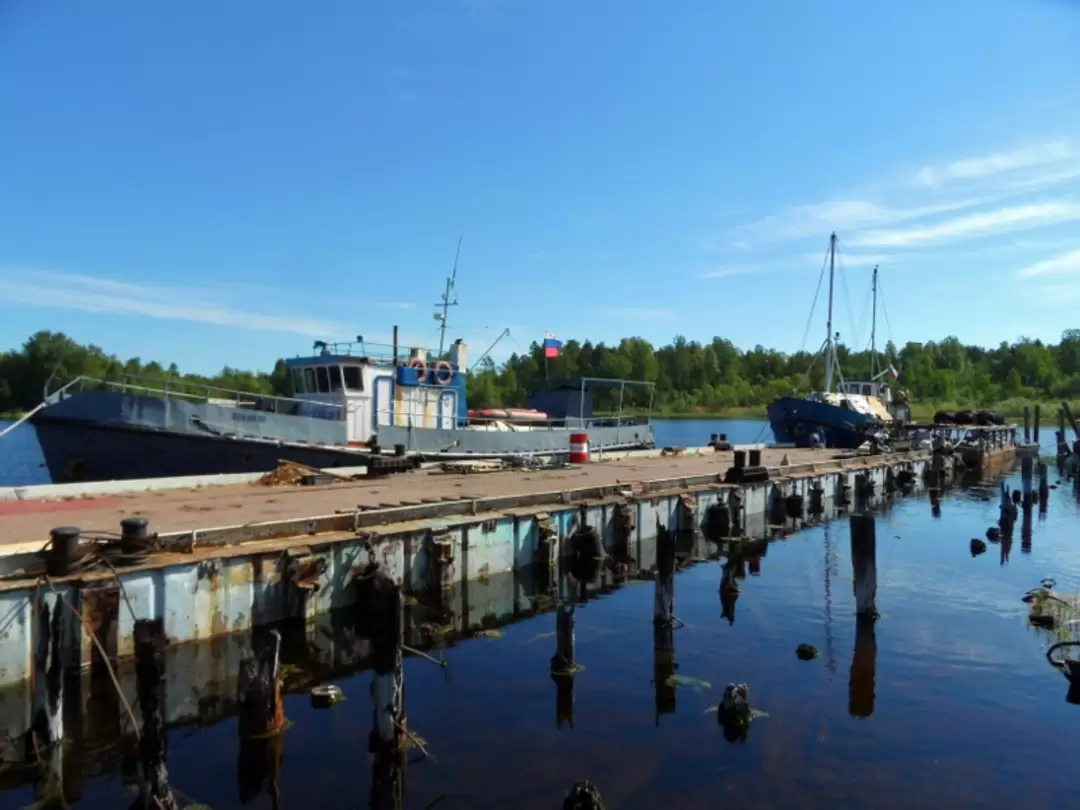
{"x":852,"y":414}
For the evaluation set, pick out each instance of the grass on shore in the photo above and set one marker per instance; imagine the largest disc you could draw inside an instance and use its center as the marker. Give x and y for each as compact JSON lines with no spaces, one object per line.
{"x":12,"y":415}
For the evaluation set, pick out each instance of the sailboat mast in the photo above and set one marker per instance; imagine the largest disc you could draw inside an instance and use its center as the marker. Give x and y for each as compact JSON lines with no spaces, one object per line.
{"x":829,"y":337}
{"x":873,"y":327}
{"x":447,"y":302}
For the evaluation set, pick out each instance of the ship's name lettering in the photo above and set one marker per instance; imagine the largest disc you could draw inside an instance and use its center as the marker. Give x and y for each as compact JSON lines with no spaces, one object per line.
{"x":248,"y":417}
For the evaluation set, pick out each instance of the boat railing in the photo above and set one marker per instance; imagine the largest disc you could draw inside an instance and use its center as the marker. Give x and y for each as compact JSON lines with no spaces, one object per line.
{"x":201,"y":392}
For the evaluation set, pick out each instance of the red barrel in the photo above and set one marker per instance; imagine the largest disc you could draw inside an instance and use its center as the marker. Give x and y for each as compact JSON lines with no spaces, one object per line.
{"x":579,"y":448}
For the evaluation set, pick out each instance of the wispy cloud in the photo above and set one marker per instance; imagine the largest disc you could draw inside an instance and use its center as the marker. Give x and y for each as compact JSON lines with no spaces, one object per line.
{"x":102,"y":295}
{"x":395,"y":305}
{"x":818,"y":219}
{"x":983,"y":166}
{"x":641,"y":313}
{"x":972,"y":225}
{"x":736,"y":270}
{"x":1064,"y":264}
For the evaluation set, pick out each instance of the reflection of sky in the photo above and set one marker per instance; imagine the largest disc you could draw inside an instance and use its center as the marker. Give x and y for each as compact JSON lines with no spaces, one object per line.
{"x":960,"y":688}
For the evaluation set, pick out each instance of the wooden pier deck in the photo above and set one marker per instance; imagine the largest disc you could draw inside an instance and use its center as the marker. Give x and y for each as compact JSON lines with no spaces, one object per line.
{"x":27,"y":522}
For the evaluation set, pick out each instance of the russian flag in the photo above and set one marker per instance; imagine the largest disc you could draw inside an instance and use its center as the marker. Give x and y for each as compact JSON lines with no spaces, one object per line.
{"x":551,"y":346}
{"x":893,"y":372}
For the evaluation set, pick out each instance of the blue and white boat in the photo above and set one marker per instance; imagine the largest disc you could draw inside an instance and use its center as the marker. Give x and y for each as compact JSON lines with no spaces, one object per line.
{"x":852,"y":414}
{"x":353,"y":404}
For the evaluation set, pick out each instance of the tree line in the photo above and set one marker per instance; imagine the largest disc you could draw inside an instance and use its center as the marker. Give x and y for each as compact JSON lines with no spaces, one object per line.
{"x":688,"y":376}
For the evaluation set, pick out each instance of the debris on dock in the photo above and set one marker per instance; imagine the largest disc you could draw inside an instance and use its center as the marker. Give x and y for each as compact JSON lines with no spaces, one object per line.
{"x":292,"y":473}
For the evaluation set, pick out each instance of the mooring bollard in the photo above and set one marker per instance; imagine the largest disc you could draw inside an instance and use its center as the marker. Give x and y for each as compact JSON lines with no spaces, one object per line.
{"x":863,"y":668}
{"x":864,"y":563}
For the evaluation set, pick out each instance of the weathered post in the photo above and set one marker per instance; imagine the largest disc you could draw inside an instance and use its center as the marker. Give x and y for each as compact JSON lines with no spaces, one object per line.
{"x":1027,"y":425}
{"x":663,"y":622}
{"x":1027,"y":467}
{"x":863,"y":668}
{"x":154,"y":790}
{"x":44,"y":739}
{"x":1035,"y":432}
{"x":864,"y":563}
{"x":1044,"y":485}
{"x":564,"y":664}
{"x":262,"y":718}
{"x":386,"y":741}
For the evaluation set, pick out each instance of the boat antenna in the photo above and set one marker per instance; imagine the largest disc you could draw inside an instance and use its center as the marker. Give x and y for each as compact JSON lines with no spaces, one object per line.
{"x":449,"y":299}
{"x":829,"y":346}
{"x":873,"y":325}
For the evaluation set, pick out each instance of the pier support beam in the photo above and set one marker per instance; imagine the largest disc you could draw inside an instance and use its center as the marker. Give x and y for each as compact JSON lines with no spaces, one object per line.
{"x":154,"y":790}
{"x":864,"y":563}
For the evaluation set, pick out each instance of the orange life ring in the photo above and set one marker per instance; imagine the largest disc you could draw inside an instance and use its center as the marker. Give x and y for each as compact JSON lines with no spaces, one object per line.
{"x":421,"y":368}
{"x":444,"y":373}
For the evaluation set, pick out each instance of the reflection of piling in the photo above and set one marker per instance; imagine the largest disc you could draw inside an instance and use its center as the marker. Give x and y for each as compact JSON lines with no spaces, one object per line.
{"x":386,"y":742}
{"x":729,"y":589}
{"x":564,"y":664}
{"x":1044,"y":485}
{"x":863,"y":668}
{"x":864,"y":562}
{"x":150,"y":688}
{"x":663,"y":622}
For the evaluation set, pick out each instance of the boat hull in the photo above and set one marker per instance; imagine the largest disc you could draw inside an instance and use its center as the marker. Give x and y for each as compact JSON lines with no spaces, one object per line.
{"x":794,"y":419}
{"x":80,"y":451}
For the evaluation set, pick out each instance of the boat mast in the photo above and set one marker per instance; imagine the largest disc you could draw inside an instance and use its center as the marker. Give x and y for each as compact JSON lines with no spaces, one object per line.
{"x":829,"y":338}
{"x":873,"y":326}
{"x":446,"y":302}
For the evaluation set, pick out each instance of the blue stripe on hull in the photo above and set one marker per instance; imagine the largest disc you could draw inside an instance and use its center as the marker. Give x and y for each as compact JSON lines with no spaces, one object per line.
{"x":793,"y":419}
{"x":81,"y":451}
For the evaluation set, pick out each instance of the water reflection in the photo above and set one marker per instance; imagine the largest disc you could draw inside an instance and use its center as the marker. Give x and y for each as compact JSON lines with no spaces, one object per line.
{"x":513,"y":644}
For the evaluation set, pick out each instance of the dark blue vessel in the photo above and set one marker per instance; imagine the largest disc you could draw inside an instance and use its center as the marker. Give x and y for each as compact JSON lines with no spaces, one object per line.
{"x":845,"y":418}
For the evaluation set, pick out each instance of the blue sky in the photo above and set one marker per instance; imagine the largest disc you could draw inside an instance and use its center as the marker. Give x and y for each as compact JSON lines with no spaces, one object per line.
{"x":220,"y":183}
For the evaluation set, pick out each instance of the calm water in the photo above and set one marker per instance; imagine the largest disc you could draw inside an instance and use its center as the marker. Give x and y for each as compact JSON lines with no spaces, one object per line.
{"x":21,"y":462}
{"x":948,"y":703}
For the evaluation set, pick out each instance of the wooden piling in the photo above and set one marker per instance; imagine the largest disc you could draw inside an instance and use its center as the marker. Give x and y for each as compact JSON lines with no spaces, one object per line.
{"x":564,"y":664}
{"x":154,"y":790}
{"x":44,"y":739}
{"x":864,"y":562}
{"x":1027,"y":424}
{"x":386,"y":742}
{"x":1035,"y":432}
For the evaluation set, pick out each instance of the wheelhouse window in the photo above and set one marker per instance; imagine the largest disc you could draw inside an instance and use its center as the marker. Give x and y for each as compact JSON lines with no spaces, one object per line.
{"x":335,"y":378}
{"x":309,"y":381}
{"x":867,"y":390}
{"x":323,"y":380}
{"x":298,"y":381}
{"x":354,"y":378}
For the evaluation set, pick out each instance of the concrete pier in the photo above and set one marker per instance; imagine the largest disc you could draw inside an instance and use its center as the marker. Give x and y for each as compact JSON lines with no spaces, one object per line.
{"x":229,"y":559}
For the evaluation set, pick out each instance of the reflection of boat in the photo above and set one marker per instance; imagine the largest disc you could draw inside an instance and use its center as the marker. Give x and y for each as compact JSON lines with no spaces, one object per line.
{"x":848,"y":416}
{"x":351,"y":402}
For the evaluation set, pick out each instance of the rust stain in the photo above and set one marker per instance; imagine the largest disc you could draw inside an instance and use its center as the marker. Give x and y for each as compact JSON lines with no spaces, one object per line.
{"x":217,"y":624}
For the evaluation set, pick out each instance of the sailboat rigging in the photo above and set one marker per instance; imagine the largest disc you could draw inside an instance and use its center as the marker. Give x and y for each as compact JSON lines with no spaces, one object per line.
{"x":847,"y":417}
